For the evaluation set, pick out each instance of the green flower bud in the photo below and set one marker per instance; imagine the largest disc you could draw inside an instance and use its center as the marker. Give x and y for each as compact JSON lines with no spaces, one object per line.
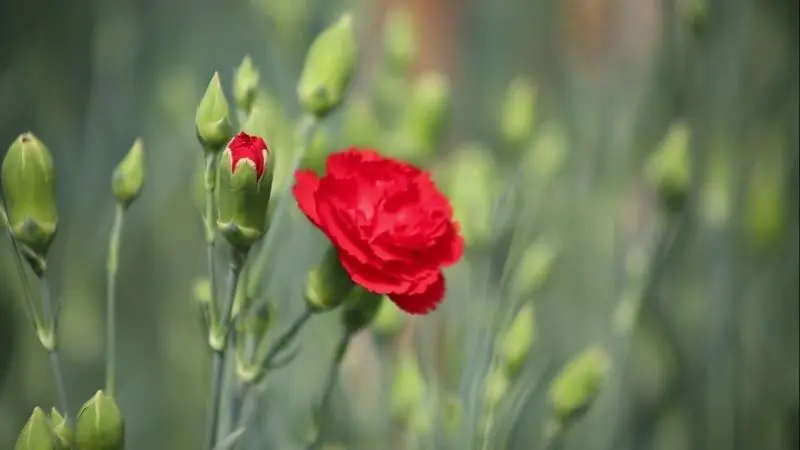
{"x":400,"y":38}
{"x":36,"y":434}
{"x":99,"y":425}
{"x":361,"y":125}
{"x":328,"y":285}
{"x":128,"y":178}
{"x":408,"y":387}
{"x":471,"y":182}
{"x":202,"y":290}
{"x":423,"y":121}
{"x":28,"y":180}
{"x":519,"y":112}
{"x":576,"y":387}
{"x":244,"y":185}
{"x":389,"y":319}
{"x":495,"y":387}
{"x":534,"y":268}
{"x":517,"y":341}
{"x":61,"y":430}
{"x":214,"y":127}
{"x":329,"y":66}
{"x":360,"y":309}
{"x":764,"y":213}
{"x":668,"y":169}
{"x":547,"y":154}
{"x":245,"y":84}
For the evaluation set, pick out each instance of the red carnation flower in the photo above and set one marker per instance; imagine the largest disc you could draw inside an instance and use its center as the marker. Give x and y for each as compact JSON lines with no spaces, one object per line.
{"x":392,"y":227}
{"x":250,"y":149}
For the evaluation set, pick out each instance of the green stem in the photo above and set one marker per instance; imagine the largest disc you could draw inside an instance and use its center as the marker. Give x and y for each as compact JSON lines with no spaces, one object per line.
{"x":210,"y":235}
{"x":218,"y":338}
{"x":49,"y":339}
{"x":111,"y":300}
{"x":333,"y":377}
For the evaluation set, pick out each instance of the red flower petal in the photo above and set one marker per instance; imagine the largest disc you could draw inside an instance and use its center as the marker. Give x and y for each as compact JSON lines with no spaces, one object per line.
{"x":424,"y":301}
{"x":304,"y":191}
{"x":248,"y":148}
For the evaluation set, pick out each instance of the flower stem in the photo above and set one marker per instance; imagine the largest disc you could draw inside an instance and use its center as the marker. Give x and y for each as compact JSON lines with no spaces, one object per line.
{"x":210,"y":235}
{"x":218,"y":338}
{"x":49,"y":340}
{"x":111,"y":300}
{"x":327,"y":394}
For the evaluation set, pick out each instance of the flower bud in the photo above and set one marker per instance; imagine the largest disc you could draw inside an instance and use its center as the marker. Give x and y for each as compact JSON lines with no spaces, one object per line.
{"x":517,"y":341}
{"x":214,"y":127}
{"x":243,"y":190}
{"x":36,"y":434}
{"x":361,"y":125}
{"x":360,"y":309}
{"x":99,"y":425}
{"x":495,"y":387}
{"x":534,"y":268}
{"x":61,"y":430}
{"x":668,"y":169}
{"x":128,"y":178}
{"x":576,"y":387}
{"x":547,"y":154}
{"x":329,"y":66}
{"x":400,"y":38}
{"x":764,"y":209}
{"x":327,"y":285}
{"x":408,"y":388}
{"x":389,"y":320}
{"x":423,"y":121}
{"x":202,"y":290}
{"x":28,"y":181}
{"x":245,"y":84}
{"x":471,"y":185}
{"x":519,"y":112}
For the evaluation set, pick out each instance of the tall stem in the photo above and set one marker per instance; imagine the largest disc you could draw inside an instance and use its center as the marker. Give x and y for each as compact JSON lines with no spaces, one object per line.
{"x":333,"y":377}
{"x":210,"y":235}
{"x":111,"y":300}
{"x":218,"y":338}
{"x":49,"y":339}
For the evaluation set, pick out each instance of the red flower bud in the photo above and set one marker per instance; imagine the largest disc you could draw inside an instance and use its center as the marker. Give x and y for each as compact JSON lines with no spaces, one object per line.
{"x":250,"y":150}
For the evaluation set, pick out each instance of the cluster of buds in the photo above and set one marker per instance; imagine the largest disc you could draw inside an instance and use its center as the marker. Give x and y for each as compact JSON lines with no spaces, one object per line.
{"x":28,"y":181}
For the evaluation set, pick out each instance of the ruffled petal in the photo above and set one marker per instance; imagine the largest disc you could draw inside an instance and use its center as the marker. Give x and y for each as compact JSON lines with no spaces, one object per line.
{"x":424,"y":301}
{"x":304,"y":191}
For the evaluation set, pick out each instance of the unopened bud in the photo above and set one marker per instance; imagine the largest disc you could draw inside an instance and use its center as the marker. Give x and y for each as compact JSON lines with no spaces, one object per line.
{"x":212,"y":119}
{"x":579,"y":383}
{"x":61,"y":430}
{"x":423,"y":122}
{"x":243,"y":190}
{"x":535,"y":268}
{"x":400,"y":38}
{"x":408,"y":388}
{"x":389,"y":319}
{"x":517,"y":341}
{"x":328,"y":285}
{"x":28,"y":182}
{"x":202,"y":290}
{"x":36,"y":434}
{"x":245,"y":84}
{"x":361,"y":125}
{"x":547,"y":154}
{"x":99,"y":425}
{"x":495,"y":387}
{"x":519,"y":112}
{"x":128,"y":178}
{"x":668,"y":169}
{"x":471,"y":185}
{"x":329,"y":66}
{"x":360,"y":309}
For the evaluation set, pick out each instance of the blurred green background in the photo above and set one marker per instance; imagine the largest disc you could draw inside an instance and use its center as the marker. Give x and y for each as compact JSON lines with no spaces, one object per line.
{"x":712,"y":362}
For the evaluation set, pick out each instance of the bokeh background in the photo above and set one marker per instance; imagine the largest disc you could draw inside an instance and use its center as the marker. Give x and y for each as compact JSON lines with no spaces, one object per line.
{"x":712,"y":362}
